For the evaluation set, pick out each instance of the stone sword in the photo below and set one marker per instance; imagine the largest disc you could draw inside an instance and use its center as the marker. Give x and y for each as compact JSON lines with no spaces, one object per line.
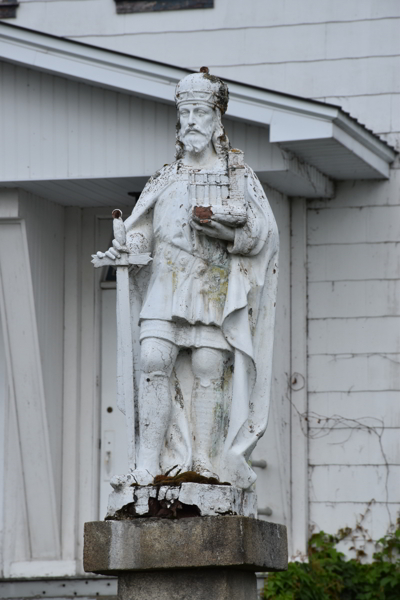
{"x":125,"y":366}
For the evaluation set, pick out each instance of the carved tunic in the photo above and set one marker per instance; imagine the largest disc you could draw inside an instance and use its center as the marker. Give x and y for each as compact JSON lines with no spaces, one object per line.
{"x":190,"y":274}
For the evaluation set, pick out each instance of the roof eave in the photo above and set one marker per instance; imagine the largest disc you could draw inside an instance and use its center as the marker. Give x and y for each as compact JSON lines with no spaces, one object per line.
{"x":289,"y":119}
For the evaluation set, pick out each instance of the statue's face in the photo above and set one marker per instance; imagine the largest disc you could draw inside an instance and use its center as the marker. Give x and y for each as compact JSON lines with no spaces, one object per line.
{"x":197,"y":123}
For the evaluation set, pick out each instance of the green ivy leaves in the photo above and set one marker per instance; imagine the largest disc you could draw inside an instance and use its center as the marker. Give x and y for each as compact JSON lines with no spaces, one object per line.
{"x":328,"y":575}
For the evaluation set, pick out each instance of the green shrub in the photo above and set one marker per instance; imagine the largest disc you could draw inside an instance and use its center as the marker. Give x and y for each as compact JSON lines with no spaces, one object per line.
{"x":328,"y":575}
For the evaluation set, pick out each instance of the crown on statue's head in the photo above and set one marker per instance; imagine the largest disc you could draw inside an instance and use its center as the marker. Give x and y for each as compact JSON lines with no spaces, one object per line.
{"x":202,"y":87}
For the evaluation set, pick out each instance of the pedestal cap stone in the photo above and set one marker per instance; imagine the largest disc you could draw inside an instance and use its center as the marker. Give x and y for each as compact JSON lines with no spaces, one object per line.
{"x":116,"y":547}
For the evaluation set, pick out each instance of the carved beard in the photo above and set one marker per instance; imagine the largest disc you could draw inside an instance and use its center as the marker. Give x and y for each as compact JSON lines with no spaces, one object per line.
{"x":198,"y":141}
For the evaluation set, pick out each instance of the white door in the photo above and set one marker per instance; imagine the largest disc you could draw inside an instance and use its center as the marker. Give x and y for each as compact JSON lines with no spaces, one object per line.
{"x":114,"y":456}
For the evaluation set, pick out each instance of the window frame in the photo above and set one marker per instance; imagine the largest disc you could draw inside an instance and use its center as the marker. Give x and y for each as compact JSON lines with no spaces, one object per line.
{"x":140,"y":6}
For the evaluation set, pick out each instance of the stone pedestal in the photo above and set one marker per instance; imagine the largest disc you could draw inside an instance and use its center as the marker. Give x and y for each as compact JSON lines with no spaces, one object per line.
{"x":201,"y":558}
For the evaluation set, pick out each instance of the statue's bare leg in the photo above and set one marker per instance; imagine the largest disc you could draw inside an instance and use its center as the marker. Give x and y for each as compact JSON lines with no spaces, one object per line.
{"x":157,"y":359}
{"x":207,"y":407}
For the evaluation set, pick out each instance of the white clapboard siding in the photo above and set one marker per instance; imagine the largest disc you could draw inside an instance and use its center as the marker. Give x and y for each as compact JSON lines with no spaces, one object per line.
{"x":349,"y":262}
{"x":226,"y":14}
{"x":354,"y":372}
{"x":380,"y":111}
{"x":392,"y":138}
{"x":354,"y":483}
{"x":363,"y":335}
{"x":375,"y":518}
{"x":354,"y":225}
{"x":354,"y":350}
{"x":316,"y":79}
{"x":354,"y":299}
{"x":368,"y":406}
{"x":317,"y":41}
{"x":369,"y":444}
{"x":363,"y":193}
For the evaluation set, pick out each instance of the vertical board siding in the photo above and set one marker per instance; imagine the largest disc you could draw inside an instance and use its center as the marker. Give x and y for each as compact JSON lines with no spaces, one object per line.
{"x":26,"y":385}
{"x":105,"y":133}
{"x":273,"y":484}
{"x":73,"y":130}
{"x":45,"y":233}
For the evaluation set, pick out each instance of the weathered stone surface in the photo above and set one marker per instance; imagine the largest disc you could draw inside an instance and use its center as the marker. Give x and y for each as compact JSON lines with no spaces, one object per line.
{"x":196,"y":584}
{"x":115,"y":547}
{"x":207,"y":500}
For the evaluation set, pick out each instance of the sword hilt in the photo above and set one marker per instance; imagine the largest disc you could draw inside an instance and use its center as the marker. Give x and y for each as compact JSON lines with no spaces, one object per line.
{"x":119,"y":227}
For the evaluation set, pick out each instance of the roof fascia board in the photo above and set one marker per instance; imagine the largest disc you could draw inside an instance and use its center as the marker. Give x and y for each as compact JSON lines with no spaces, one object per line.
{"x":366,"y":138}
{"x":59,"y":56}
{"x":43,"y":44}
{"x":376,"y":162}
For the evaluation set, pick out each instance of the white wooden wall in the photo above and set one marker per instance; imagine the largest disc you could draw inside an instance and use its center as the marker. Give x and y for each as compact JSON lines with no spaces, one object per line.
{"x":45,"y":234}
{"x":273,"y":483}
{"x":345,"y":52}
{"x":31,"y":310}
{"x":59,"y":129}
{"x":354,"y":356}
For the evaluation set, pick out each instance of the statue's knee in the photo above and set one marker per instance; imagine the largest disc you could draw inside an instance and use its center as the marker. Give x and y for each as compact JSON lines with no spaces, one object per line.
{"x":157,"y":358}
{"x":207,"y":365}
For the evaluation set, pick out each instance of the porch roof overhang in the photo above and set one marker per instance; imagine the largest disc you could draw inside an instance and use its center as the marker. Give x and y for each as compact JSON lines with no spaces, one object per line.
{"x":318,"y":143}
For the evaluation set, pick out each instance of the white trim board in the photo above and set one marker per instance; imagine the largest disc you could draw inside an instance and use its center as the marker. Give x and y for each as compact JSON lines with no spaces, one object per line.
{"x":88,"y":587}
{"x":298,"y":381}
{"x":26,"y":384}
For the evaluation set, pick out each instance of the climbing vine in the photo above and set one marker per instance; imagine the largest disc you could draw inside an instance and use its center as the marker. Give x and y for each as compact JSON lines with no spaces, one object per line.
{"x":328,"y":575}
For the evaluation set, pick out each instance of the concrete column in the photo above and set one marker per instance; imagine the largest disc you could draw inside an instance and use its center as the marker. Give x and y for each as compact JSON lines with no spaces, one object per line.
{"x":181,"y":584}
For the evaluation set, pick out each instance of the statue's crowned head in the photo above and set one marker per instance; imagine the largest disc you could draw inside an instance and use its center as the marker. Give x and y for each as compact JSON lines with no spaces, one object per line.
{"x":201,"y":100}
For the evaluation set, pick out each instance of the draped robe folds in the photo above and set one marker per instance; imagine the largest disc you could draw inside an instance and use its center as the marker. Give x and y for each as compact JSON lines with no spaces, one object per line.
{"x":246,"y":320}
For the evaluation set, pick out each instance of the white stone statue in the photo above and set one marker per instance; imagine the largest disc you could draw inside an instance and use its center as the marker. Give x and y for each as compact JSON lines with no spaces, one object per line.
{"x":196,"y":325}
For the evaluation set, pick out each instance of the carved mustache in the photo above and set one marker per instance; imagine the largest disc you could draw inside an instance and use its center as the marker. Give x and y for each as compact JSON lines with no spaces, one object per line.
{"x":193,"y":129}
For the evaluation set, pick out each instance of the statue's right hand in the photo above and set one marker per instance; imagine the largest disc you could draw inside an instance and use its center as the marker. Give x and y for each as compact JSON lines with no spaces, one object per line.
{"x":113,"y":252}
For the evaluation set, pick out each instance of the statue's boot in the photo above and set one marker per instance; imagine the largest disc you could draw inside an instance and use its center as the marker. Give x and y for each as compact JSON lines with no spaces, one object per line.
{"x":207,"y":425}
{"x":154,"y":416}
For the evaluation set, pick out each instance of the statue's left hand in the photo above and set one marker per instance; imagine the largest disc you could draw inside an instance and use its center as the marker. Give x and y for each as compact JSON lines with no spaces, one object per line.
{"x":215,"y":230}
